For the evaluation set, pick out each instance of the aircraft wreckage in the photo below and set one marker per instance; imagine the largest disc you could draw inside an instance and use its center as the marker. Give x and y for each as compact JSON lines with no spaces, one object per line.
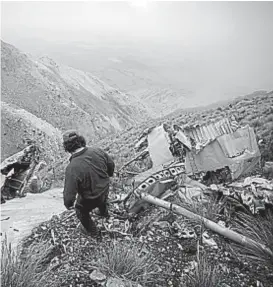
{"x":216,"y":154}
{"x":190,"y":161}
{"x":19,"y":171}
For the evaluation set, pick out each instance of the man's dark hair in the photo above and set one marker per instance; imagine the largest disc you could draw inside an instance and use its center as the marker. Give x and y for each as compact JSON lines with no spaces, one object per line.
{"x":73,"y":141}
{"x":82,"y":141}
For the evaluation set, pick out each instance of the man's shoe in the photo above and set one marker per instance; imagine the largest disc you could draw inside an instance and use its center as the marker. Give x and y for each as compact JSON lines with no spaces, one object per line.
{"x":105,"y":214}
{"x":94,"y":233}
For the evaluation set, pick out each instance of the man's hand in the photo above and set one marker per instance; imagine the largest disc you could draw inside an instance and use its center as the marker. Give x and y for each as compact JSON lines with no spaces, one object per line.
{"x":71,"y":207}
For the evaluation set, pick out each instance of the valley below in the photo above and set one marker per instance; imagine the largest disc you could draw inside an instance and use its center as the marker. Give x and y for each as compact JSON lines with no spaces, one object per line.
{"x":112,"y":106}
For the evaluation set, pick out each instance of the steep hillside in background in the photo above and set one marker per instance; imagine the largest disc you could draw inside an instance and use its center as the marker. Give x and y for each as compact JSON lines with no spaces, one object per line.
{"x":151,"y":70}
{"x":161,"y":102}
{"x":18,"y":126}
{"x":145,"y":73}
{"x":254,"y":107}
{"x":63,"y":97}
{"x":255,"y":110}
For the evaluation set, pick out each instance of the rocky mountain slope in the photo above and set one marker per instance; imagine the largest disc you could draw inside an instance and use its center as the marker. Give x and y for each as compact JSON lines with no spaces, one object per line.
{"x":60,"y":96}
{"x":255,"y":110}
{"x":164,"y":75}
{"x":160,"y":101}
{"x":143,"y":72}
{"x":18,"y":126}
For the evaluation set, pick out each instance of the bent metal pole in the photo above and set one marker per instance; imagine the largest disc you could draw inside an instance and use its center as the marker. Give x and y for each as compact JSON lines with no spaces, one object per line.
{"x":230,"y":234}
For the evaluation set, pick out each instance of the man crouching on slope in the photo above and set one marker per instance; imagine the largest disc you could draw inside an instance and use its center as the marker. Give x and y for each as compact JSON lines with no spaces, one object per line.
{"x":87,"y":175}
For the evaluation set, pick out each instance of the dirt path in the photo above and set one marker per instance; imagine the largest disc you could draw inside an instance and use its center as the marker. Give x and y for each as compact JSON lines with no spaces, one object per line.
{"x":23,"y":214}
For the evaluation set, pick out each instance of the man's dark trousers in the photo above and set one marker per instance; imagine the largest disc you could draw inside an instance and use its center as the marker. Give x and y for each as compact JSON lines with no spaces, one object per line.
{"x":84,"y":206}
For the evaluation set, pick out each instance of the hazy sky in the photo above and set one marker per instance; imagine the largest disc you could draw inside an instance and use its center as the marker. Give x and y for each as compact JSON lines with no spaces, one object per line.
{"x":206,"y":23}
{"x":232,"y":36}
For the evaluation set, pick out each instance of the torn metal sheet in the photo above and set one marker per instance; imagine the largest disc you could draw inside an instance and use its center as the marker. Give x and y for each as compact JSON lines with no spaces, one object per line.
{"x":213,"y":156}
{"x":244,"y":165}
{"x":19,"y":170}
{"x":264,"y":183}
{"x":253,"y":193}
{"x":158,"y":145}
{"x":23,"y":156}
{"x":158,"y":173}
{"x":187,"y":194}
{"x":183,"y":139}
{"x":204,"y":134}
{"x":235,"y":144}
{"x":210,"y":132}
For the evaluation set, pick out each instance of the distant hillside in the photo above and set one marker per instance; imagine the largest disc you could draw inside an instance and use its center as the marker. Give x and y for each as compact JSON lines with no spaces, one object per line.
{"x":218,"y":105}
{"x":61,"y":96}
{"x":160,"y":101}
{"x":165,"y":76}
{"x":255,"y":110}
{"x":18,"y":125}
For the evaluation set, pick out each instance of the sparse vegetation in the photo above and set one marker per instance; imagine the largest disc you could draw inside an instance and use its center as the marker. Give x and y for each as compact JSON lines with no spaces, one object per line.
{"x":127,"y":260}
{"x":63,"y":100}
{"x":119,"y":258}
{"x":23,"y":272}
{"x":209,"y":207}
{"x":261,"y":231}
{"x":205,"y":274}
{"x":243,"y":110}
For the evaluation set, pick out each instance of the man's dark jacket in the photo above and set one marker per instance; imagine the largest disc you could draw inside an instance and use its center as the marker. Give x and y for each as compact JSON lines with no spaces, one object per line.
{"x":87,"y":174}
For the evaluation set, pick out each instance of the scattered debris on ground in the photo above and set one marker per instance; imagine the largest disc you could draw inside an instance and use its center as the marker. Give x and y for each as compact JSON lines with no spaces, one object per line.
{"x":173,"y":241}
{"x":182,"y":182}
{"x":20,"y":173}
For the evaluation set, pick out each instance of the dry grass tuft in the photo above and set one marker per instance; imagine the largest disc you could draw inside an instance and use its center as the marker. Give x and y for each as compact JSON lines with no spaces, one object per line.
{"x":18,"y":272}
{"x":205,"y":274}
{"x":261,"y":231}
{"x":126,"y":260}
{"x":210,"y":207}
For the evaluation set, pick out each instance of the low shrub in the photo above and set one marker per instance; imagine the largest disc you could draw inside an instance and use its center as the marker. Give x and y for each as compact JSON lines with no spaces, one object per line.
{"x":126,"y":260}
{"x":23,"y":272}
{"x":205,"y":273}
{"x":259,"y":229}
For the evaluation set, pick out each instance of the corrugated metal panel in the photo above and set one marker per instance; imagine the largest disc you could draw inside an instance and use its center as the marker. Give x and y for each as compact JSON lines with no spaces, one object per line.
{"x":199,"y":137}
{"x":201,"y":132}
{"x":204,"y":133}
{"x":208,"y":132}
{"x":193,"y":134}
{"x":228,"y":129}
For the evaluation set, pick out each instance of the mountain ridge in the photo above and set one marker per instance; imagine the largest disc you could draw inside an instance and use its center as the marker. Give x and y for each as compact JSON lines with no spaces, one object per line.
{"x":63,"y":97}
